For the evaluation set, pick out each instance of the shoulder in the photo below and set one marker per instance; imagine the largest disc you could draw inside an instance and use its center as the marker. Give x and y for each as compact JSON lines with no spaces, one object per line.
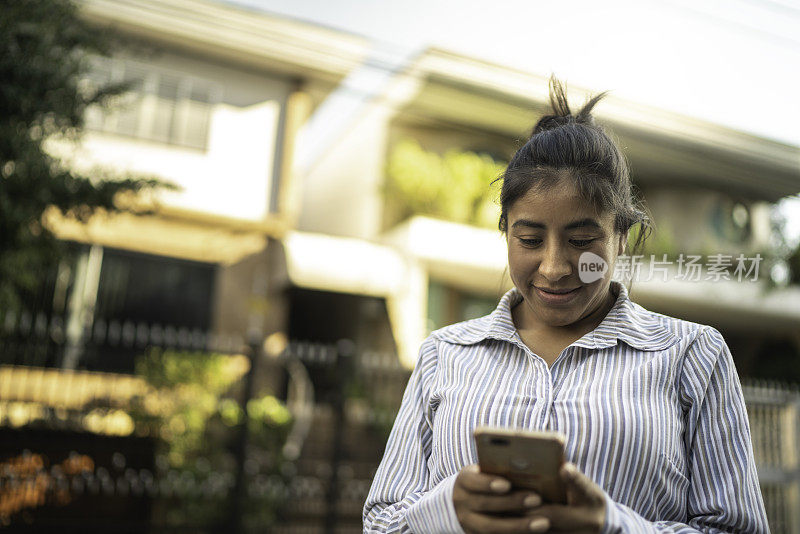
{"x":702,"y":349}
{"x":498,"y":324}
{"x":463,"y":333}
{"x":445,"y":343}
{"x":698,"y":350}
{"x":693,"y":332}
{"x":659,"y":330}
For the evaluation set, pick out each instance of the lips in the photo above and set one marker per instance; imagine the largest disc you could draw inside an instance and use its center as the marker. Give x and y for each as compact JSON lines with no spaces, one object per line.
{"x":556,"y":291}
{"x":557,"y":297}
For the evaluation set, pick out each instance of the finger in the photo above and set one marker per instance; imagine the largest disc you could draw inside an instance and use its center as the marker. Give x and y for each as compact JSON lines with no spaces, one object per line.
{"x":474,"y":481}
{"x":571,"y":518}
{"x":581,"y":488}
{"x":514,"y":502}
{"x":475,"y":522}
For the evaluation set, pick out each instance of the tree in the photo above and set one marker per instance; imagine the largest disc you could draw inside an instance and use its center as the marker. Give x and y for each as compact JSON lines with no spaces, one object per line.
{"x":45,"y":52}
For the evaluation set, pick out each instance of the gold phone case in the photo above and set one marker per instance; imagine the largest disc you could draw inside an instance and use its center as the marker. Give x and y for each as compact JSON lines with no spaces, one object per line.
{"x":528,"y":459}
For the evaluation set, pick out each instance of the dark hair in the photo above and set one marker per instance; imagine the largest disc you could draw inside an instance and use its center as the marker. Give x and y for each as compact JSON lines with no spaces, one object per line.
{"x":563,"y":145}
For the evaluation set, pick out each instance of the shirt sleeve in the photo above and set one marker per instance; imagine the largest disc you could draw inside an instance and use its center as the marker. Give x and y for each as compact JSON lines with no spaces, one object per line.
{"x":724,"y":495}
{"x":402,"y":498}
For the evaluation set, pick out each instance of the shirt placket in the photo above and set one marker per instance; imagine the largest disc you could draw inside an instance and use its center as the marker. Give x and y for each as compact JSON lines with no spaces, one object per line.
{"x":537,"y":413}
{"x":554,"y":383}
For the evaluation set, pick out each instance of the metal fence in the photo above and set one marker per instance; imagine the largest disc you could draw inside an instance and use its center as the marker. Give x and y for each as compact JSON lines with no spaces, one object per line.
{"x":295,"y":451}
{"x":774,"y":413}
{"x":204,"y":433}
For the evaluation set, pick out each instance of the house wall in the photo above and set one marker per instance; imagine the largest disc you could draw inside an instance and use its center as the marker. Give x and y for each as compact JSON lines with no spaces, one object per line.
{"x":227,"y":188}
{"x":705,"y":221}
{"x":233,"y":175}
{"x":341,"y":193}
{"x":342,"y":157}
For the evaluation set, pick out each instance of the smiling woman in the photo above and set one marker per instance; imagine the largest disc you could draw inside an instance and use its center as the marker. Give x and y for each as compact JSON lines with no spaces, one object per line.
{"x":545,"y":247}
{"x":654,"y":424}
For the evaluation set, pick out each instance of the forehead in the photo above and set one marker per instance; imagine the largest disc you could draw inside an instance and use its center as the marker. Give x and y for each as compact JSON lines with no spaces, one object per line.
{"x":560,"y":203}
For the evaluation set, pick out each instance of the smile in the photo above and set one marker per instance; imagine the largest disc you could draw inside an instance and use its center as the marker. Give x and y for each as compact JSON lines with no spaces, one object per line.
{"x":559,"y":296}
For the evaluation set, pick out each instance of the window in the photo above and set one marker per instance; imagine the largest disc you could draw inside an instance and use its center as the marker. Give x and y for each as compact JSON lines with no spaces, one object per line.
{"x":144,"y":289}
{"x":155,"y":290}
{"x":161,"y":105}
{"x":731,"y":221}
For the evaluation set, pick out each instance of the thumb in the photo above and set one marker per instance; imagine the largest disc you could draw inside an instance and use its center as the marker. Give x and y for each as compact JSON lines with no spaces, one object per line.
{"x":580,"y":488}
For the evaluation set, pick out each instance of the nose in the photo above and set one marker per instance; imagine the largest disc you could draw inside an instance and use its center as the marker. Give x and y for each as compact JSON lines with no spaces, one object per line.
{"x":555,"y":263}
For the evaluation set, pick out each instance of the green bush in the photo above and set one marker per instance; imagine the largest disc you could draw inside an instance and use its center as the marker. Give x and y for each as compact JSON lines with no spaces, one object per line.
{"x":454,"y":186}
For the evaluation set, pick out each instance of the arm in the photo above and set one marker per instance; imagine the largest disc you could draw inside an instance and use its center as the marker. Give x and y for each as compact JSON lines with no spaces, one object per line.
{"x":724,"y":495}
{"x":401,"y":498}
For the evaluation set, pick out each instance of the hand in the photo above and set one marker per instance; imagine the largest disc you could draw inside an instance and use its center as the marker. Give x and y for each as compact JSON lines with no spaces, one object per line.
{"x":585,"y":511}
{"x":480,"y":499}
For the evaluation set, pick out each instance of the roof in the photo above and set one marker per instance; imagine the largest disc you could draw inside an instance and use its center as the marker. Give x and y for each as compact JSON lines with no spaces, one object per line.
{"x":235,"y":34}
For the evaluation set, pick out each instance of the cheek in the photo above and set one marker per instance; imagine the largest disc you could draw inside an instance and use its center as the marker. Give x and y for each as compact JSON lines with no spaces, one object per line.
{"x":607,"y":250}
{"x":513,"y":263}
{"x":519,"y":265}
{"x":611,"y":259}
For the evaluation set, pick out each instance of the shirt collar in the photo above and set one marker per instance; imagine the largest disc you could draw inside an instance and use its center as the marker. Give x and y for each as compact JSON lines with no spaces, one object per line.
{"x":626,"y":321}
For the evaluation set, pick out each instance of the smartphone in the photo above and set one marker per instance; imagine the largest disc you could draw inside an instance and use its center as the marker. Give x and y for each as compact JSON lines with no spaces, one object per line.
{"x":528,"y":459}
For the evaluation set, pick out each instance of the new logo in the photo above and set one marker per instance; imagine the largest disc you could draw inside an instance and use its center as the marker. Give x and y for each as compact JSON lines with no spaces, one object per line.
{"x":591,"y":267}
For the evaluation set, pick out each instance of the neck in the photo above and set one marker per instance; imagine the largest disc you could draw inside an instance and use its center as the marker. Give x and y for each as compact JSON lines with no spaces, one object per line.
{"x":523,"y":316}
{"x":592,"y":319}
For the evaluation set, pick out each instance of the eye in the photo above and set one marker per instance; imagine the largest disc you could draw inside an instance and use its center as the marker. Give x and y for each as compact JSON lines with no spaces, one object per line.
{"x":529,"y":242}
{"x":582,"y":242}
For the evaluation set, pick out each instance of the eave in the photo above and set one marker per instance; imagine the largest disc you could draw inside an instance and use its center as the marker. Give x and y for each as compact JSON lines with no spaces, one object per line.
{"x":234,"y":34}
{"x":663,"y":147}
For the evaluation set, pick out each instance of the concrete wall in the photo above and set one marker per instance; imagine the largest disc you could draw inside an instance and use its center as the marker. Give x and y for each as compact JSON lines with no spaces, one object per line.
{"x":341,"y":193}
{"x":342,"y":162}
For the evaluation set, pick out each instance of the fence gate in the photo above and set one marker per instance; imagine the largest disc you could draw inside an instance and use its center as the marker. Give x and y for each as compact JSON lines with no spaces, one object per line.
{"x":774,"y":412}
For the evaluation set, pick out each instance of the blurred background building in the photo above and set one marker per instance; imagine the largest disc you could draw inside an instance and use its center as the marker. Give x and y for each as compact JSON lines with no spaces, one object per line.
{"x":333,"y":200}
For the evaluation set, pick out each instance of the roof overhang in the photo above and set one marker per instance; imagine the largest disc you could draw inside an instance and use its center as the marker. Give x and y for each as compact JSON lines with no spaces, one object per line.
{"x":745,"y":306}
{"x":230,"y":33}
{"x":170,"y":232}
{"x":355,"y":266}
{"x":343,"y":265}
{"x":465,"y":257}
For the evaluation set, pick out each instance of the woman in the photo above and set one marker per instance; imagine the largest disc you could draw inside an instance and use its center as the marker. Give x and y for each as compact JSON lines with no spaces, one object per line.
{"x":651,"y":406}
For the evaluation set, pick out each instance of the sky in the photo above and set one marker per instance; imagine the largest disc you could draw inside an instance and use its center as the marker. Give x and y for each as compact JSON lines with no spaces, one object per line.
{"x":731,"y":62}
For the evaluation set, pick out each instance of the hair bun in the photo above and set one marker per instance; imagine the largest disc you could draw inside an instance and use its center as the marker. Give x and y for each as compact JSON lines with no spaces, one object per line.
{"x":561,"y":112}
{"x":548,"y":122}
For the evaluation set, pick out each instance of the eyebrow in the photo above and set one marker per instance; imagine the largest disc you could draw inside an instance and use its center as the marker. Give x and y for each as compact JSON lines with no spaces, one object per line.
{"x":582,"y":223}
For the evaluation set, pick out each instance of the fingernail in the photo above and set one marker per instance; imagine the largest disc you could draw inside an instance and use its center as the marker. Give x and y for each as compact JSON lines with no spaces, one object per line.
{"x":540,"y":524}
{"x":500,"y":485}
{"x":532,"y":501}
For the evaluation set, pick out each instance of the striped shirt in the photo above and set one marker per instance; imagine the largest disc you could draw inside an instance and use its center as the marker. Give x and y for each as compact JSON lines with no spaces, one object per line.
{"x":651,"y":407}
